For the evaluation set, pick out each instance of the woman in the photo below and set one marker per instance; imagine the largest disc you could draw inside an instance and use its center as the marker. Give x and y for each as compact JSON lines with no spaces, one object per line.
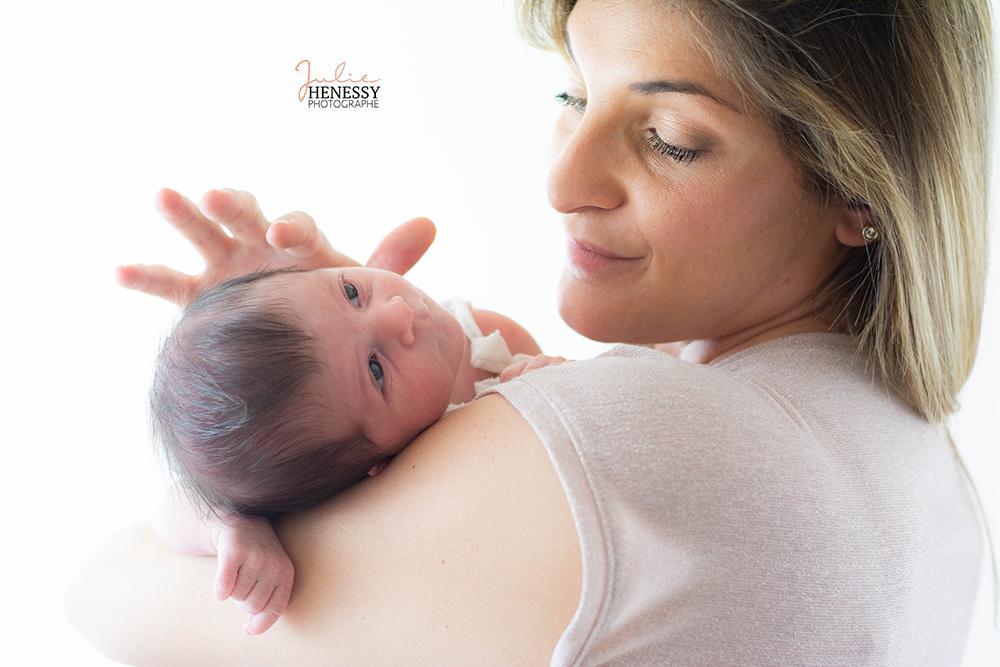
{"x":797,"y":202}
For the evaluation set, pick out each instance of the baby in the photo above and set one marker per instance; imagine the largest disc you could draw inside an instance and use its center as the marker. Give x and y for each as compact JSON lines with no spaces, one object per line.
{"x":278,"y":389}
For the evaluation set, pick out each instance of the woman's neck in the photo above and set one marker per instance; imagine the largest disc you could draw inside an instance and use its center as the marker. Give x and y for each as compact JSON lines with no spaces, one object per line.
{"x":707,"y":351}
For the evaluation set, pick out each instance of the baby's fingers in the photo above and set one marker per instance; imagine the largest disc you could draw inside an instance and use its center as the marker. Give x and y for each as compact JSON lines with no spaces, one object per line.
{"x":266,"y":617}
{"x":204,"y":234}
{"x":157,"y":280}
{"x":513,"y":370}
{"x":237,"y":210}
{"x":258,"y":597}
{"x":403,"y":246}
{"x":225,"y":579}
{"x":544,"y":360}
{"x":297,"y":234}
{"x":538,"y":361}
{"x":246,"y":579}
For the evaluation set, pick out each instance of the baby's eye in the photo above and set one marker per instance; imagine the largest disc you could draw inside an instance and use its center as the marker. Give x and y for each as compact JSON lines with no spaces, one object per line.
{"x":351,"y":292}
{"x":376,"y":368}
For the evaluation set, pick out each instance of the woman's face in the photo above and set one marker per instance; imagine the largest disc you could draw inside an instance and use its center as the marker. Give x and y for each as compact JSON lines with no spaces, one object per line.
{"x":717,"y":242}
{"x":392,"y":353}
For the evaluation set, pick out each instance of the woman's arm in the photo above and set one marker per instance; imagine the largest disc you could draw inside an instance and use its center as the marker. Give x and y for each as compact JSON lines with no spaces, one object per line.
{"x":463,"y":551}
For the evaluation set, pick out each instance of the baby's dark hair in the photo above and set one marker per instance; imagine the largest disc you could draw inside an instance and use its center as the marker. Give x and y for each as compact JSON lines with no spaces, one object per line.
{"x":235,"y":411}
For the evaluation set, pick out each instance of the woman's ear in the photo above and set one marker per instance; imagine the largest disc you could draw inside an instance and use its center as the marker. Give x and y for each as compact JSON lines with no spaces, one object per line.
{"x":852,"y":217}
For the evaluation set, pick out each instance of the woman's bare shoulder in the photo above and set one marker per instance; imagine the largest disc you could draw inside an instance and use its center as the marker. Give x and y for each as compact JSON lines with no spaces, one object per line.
{"x":433,"y":561}
{"x":447,"y":543}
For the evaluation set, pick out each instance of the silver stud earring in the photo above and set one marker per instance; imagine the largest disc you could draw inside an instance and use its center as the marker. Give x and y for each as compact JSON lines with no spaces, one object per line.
{"x":868,"y":231}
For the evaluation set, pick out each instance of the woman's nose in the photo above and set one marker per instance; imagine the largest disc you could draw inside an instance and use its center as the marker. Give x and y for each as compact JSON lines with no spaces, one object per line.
{"x":395,"y":321}
{"x":587,"y":167}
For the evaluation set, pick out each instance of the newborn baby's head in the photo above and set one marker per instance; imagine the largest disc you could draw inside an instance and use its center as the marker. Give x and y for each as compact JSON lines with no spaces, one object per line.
{"x":278,"y":389}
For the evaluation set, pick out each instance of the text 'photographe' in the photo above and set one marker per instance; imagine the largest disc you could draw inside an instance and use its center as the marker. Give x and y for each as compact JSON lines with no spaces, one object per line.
{"x":343,"y":91}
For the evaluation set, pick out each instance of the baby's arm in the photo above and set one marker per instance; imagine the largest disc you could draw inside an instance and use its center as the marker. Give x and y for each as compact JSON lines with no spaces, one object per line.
{"x":673,"y":349}
{"x":179,"y":526}
{"x":518,"y":339}
{"x":253,"y":567}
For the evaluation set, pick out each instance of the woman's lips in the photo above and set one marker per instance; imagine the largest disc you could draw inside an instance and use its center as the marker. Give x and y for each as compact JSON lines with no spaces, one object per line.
{"x":589,"y":259}
{"x":598,"y":250}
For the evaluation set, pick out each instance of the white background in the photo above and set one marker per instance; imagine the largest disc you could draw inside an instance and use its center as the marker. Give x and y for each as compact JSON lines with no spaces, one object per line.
{"x":104,"y":103}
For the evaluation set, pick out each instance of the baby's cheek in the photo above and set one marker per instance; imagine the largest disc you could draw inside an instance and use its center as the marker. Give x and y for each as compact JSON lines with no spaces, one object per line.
{"x":424,"y":406}
{"x":435,"y":385}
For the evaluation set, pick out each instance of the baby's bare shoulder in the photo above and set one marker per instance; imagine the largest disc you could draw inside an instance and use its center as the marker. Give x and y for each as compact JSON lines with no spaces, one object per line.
{"x":517,"y":337}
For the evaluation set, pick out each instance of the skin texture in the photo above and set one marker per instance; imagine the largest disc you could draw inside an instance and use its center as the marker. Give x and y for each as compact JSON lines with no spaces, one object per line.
{"x":291,"y":240}
{"x":391,"y":354}
{"x":393,"y":357}
{"x":464,"y":550}
{"x":727,"y":245}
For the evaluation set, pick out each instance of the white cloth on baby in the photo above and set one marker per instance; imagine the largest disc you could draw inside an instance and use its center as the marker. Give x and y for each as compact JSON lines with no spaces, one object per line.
{"x":489,"y":352}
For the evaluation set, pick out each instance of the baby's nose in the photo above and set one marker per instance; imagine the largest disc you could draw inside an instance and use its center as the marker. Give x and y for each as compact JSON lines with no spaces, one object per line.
{"x":397,"y":320}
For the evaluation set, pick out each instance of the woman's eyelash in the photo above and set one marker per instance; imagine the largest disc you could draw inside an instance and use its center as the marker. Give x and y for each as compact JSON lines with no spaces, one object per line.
{"x":678,"y":153}
{"x":568,"y":100}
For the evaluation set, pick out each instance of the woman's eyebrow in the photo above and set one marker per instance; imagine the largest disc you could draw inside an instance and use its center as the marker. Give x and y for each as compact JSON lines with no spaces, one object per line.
{"x":665,"y":85}
{"x":685,"y":87}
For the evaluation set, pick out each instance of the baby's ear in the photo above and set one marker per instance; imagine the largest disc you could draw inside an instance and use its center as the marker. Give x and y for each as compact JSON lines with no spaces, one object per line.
{"x":378,"y":467}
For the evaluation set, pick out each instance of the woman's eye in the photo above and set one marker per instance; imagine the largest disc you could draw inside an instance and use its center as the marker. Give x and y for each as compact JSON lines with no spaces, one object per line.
{"x":677,"y":153}
{"x":376,"y":368}
{"x":351,"y":292}
{"x":568,"y":100}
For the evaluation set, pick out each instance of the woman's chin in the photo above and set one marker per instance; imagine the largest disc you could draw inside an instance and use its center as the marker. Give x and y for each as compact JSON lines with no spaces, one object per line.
{"x":609,"y":315}
{"x":588,"y":317}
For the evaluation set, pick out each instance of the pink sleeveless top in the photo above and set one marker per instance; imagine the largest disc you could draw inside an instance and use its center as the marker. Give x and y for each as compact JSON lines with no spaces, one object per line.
{"x":775,"y":507}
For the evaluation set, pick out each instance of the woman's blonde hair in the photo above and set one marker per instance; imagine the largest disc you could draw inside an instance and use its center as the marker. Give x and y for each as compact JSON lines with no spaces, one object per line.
{"x":886,"y":103}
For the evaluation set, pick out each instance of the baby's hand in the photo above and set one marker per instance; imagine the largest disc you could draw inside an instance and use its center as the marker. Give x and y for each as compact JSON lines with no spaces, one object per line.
{"x":520,"y":367}
{"x":253,"y":569}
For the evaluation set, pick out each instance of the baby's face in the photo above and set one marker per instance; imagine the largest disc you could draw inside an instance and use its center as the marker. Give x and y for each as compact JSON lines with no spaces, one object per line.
{"x":392,"y":353}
